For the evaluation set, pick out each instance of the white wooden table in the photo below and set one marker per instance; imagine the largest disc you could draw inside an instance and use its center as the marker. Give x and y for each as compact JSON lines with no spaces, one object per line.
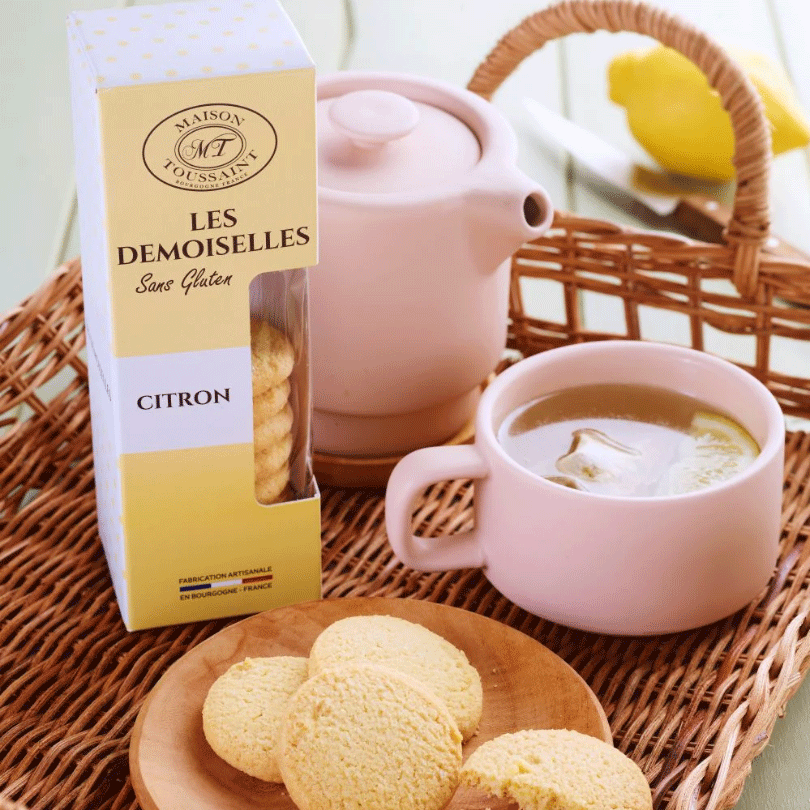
{"x":444,"y":39}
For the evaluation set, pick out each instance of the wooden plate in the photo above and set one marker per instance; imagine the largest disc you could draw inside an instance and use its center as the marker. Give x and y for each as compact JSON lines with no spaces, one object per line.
{"x":173,"y":768}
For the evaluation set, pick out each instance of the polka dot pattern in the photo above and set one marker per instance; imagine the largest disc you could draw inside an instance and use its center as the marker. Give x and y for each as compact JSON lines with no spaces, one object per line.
{"x":180,"y":41}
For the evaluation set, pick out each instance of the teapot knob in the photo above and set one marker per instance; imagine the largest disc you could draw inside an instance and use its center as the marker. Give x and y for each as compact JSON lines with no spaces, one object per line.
{"x":372,"y":118}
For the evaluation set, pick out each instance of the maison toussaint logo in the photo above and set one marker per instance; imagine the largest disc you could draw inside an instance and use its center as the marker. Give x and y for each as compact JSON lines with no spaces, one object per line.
{"x":209,"y":147}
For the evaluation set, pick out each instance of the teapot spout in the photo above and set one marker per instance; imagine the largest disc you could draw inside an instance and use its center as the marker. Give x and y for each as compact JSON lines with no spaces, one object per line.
{"x":506,"y":210}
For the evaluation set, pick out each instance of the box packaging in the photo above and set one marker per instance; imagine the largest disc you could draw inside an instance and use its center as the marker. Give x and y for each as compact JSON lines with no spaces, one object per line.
{"x":194,"y":131}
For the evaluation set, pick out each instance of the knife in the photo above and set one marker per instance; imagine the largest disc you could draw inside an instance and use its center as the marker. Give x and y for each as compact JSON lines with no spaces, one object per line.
{"x":697,"y":215}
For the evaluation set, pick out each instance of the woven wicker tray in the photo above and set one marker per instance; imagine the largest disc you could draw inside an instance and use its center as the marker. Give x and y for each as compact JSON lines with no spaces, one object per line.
{"x":692,"y":709}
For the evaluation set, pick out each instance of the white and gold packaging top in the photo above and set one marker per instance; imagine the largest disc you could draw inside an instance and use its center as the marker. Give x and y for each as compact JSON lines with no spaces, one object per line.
{"x":194,"y":134}
{"x":179,"y":41}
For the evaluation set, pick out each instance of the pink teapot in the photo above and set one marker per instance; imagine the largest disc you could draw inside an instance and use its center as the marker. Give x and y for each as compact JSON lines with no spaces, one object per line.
{"x":420,"y":208}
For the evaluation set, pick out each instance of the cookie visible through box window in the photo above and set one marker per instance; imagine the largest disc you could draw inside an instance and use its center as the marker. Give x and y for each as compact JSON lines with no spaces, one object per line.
{"x":280,"y":387}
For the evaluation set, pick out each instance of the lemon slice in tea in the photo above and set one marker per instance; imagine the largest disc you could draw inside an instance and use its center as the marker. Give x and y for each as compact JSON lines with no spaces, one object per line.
{"x":716,"y":449}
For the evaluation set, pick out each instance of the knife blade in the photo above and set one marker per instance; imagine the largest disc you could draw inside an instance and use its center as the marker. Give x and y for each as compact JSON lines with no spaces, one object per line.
{"x":697,"y":215}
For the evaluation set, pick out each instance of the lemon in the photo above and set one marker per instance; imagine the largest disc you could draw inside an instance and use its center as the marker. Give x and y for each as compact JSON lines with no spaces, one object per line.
{"x":675,"y":115}
{"x":716,"y":449}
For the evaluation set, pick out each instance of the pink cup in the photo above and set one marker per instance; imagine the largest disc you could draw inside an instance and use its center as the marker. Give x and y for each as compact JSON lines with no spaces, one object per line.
{"x":607,"y":564}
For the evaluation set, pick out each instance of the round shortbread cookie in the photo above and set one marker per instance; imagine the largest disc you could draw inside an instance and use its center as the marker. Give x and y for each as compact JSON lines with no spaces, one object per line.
{"x":269,"y":460}
{"x":408,"y":648}
{"x":557,"y":768}
{"x":364,"y":736}
{"x":244,"y":708}
{"x":273,"y":429}
{"x":271,"y":401}
{"x":272,"y":355}
{"x":269,"y":487}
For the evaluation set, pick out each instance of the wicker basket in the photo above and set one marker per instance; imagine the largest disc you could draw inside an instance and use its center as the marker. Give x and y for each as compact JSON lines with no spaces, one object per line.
{"x":692,"y":709}
{"x":651,"y":269}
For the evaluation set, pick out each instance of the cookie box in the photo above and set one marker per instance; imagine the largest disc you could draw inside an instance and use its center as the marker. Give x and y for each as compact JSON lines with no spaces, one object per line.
{"x":194,"y":131}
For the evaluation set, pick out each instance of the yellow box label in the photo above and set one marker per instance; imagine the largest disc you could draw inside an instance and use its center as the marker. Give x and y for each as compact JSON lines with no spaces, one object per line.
{"x":199,"y":546}
{"x":207,"y":183}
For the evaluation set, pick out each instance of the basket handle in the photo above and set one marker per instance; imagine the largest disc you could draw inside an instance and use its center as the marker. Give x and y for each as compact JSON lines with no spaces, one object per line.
{"x":749,"y":224}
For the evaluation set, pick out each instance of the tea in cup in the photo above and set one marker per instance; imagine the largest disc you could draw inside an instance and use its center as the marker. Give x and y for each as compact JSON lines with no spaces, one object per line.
{"x":632,"y":440}
{"x":621,"y":487}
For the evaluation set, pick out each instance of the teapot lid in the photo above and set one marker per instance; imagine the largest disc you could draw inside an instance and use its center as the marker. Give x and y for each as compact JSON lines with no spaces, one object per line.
{"x":376,"y":141}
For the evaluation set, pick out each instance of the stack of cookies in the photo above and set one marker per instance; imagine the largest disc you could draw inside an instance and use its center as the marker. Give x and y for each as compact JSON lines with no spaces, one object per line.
{"x":272,"y":359}
{"x":371,"y":719}
{"x":375,"y":719}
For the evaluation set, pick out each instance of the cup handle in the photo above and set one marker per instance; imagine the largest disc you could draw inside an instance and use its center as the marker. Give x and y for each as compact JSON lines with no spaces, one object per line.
{"x":409,"y":478}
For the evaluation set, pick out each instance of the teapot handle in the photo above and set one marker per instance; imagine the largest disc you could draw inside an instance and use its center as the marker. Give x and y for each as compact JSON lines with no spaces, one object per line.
{"x":749,"y":226}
